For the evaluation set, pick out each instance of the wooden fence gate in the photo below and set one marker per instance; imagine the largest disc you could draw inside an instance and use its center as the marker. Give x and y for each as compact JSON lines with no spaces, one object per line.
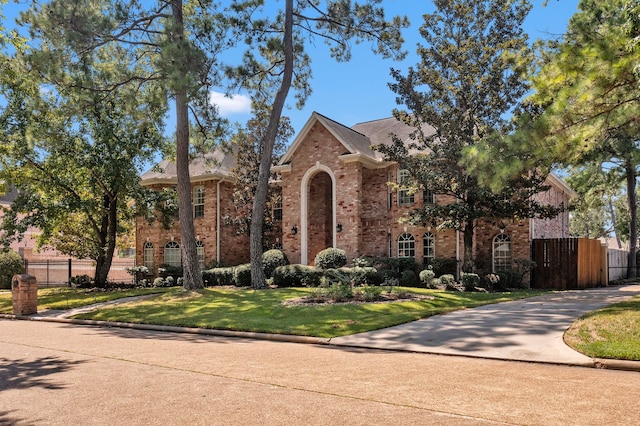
{"x":568,"y":263}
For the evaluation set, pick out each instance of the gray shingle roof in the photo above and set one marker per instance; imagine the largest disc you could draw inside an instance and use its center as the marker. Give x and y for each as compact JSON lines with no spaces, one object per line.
{"x":217,"y":163}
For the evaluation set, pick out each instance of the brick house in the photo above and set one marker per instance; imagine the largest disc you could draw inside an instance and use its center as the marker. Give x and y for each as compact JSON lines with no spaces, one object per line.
{"x":334,"y":193}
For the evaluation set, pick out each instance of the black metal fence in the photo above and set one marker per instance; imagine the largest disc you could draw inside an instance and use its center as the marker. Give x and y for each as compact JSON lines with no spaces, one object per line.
{"x":58,"y":272}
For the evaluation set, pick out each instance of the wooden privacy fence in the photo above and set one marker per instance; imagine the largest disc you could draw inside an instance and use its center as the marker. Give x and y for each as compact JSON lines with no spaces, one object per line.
{"x":568,"y":263}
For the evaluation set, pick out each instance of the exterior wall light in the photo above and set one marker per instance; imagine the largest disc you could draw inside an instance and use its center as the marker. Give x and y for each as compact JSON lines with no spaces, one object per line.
{"x":294,"y":230}
{"x":339,"y":227}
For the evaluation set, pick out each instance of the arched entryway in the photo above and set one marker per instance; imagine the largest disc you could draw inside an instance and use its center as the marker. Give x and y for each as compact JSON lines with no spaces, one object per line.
{"x":318,"y":216}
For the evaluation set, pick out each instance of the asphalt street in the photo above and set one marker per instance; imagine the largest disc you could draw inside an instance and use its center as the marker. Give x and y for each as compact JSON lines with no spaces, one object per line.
{"x":67,"y":374}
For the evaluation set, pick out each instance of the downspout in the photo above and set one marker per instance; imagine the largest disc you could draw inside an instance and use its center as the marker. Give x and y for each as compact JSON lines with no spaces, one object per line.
{"x":218,"y":227}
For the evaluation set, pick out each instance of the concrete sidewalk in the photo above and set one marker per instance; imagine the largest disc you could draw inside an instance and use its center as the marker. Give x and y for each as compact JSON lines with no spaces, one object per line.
{"x":528,"y":330}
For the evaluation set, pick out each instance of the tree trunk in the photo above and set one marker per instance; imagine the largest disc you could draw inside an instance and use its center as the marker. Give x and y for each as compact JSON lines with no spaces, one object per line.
{"x":614,"y":221}
{"x":632,"y":200}
{"x":108,"y":240}
{"x":192,"y":278}
{"x":467,"y":265}
{"x":257,"y":213}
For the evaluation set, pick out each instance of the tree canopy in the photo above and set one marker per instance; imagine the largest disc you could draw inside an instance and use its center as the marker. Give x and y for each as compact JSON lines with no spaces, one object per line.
{"x":459,"y":96}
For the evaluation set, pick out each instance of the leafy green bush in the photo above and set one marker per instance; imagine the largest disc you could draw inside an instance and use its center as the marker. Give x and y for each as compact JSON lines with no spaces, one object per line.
{"x":363,"y":261}
{"x":444,"y":266}
{"x":296,"y":276}
{"x":339,"y":291}
{"x":271,"y":259}
{"x":166,"y":271}
{"x":158,"y":282}
{"x":10,"y":264}
{"x":409,"y":278}
{"x":330,"y":258}
{"x":218,"y":276}
{"x":398,"y":264}
{"x":447,"y":280}
{"x":426,"y":278}
{"x":242,"y":275}
{"x":370,"y":293}
{"x":508,"y":279}
{"x":470,"y":281}
{"x":169,"y":281}
{"x":82,"y":281}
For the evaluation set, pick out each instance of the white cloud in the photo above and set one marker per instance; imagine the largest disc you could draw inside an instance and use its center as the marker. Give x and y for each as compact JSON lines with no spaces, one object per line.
{"x":235,"y":104}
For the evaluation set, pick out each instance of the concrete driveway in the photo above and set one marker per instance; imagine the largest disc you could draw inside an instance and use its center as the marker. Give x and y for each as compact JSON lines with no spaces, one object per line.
{"x":524,"y":330}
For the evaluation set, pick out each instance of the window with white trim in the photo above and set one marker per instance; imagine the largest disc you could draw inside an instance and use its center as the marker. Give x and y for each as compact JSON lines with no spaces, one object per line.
{"x":198,"y":201}
{"x":172,"y":254}
{"x":404,"y":195}
{"x":406,"y":245}
{"x":501,"y":253}
{"x":428,"y":197}
{"x":147,"y":255}
{"x":428,"y":248}
{"x":277,"y":210}
{"x":200,"y":252}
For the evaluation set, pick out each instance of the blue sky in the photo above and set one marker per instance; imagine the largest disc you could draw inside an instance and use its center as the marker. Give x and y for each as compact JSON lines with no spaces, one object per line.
{"x":357,"y":91}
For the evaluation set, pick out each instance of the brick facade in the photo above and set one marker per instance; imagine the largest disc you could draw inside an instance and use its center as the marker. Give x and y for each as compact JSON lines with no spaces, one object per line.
{"x":335,"y":193}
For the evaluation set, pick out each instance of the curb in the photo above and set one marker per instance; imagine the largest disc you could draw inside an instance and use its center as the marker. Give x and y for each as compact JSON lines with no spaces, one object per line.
{"x":601,"y":363}
{"x":174,"y":329}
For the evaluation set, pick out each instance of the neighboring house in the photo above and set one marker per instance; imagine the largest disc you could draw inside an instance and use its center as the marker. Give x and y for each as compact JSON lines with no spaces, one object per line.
{"x":335,"y":194}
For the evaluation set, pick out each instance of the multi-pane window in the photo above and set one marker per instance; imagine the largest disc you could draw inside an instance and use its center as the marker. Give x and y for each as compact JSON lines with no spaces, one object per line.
{"x":428,"y":248}
{"x":428,"y":197}
{"x":501,"y":253}
{"x":198,"y":201}
{"x":406,"y":245}
{"x":200,"y":252}
{"x":172,"y":254}
{"x":404,"y":195}
{"x":277,"y":210}
{"x":147,"y":255}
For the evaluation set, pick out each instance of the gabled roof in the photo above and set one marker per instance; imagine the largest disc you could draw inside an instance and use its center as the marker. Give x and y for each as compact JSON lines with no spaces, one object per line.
{"x":215,"y":165}
{"x":357,"y":140}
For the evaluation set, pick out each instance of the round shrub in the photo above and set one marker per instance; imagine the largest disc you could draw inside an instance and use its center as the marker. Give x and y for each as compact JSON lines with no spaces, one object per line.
{"x":158,"y":282}
{"x":10,"y":264}
{"x":169,"y":281}
{"x":426,"y":278}
{"x":470,"y":281}
{"x":409,"y":279}
{"x":271,"y":259}
{"x":242,"y":275}
{"x":331,"y":258}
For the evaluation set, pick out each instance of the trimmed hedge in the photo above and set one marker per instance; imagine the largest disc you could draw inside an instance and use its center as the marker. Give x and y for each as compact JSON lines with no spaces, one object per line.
{"x":296,"y":276}
{"x":470,"y":281}
{"x":242,"y":275}
{"x":409,"y":278}
{"x":218,"y":277}
{"x":271,"y":259}
{"x":330,"y":258}
{"x":426,"y":278}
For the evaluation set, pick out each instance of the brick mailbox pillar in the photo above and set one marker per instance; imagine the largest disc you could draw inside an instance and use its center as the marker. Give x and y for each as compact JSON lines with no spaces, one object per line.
{"x":24,"y":291}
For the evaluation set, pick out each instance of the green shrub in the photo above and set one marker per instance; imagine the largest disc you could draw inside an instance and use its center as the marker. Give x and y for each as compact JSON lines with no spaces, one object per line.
{"x":339,"y":291}
{"x":10,"y":264}
{"x":271,"y":259}
{"x":169,"y":281}
{"x":242,"y":275}
{"x":447,"y":280}
{"x":218,"y":276}
{"x":363,"y":261}
{"x":296,"y":276}
{"x":158,"y":282}
{"x":426,"y":278}
{"x":409,"y":278}
{"x":370,"y":293}
{"x":82,"y":281}
{"x":470,"y":281}
{"x":443,"y":266}
{"x":330,"y":258}
{"x":166,"y":271}
{"x":508,"y":279}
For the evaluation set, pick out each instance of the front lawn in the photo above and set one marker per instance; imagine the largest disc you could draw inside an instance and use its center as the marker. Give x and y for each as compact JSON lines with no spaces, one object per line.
{"x":612,"y":332}
{"x":263,"y":310}
{"x":69,"y":298}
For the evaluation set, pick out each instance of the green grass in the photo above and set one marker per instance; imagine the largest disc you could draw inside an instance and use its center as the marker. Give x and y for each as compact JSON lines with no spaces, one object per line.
{"x":262,"y":311}
{"x":68,"y":298}
{"x":612,"y":332}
